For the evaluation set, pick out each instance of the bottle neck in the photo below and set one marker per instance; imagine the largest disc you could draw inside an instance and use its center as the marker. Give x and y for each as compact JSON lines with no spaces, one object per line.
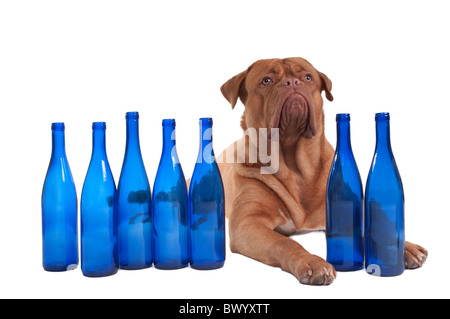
{"x":99,"y":143}
{"x":168,"y":139}
{"x":383,"y":136}
{"x":58,"y":144}
{"x":343,"y":136}
{"x":206,"y":152}
{"x":133,"y":136}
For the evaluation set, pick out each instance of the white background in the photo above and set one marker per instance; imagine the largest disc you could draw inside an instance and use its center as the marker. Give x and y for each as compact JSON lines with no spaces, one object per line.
{"x":85,"y":61}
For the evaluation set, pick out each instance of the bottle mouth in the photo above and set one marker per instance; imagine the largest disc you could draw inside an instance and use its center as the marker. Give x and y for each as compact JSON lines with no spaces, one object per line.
{"x":99,"y":125}
{"x":168,"y":122}
{"x":206,"y":121}
{"x":342,"y":117}
{"x":58,"y":126}
{"x":132,"y":116}
{"x":382,"y":116}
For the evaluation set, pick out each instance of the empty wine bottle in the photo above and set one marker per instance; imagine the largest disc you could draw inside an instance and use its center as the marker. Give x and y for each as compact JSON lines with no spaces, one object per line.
{"x":99,"y":249}
{"x":344,"y":202}
{"x":384,"y":202}
{"x":170,"y":206}
{"x":59,"y":209}
{"x":206,"y":206}
{"x":134,"y":204}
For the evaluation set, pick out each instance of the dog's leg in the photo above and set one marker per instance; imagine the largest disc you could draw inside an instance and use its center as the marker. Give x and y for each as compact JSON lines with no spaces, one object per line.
{"x":415,"y":256}
{"x":253,"y":235}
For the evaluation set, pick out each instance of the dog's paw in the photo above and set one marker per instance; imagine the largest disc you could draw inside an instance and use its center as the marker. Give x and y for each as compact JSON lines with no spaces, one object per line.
{"x":313,"y":270}
{"x":415,"y":256}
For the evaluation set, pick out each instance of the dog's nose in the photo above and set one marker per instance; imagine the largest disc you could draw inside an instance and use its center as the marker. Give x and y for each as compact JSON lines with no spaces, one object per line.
{"x":291,"y":82}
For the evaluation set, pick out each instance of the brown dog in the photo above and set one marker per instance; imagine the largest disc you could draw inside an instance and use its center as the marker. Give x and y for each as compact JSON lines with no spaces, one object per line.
{"x":264,"y":207}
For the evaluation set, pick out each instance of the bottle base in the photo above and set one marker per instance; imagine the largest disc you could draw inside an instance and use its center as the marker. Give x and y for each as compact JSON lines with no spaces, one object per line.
{"x":207,"y":265}
{"x":128,"y":267}
{"x":169,"y":266}
{"x":95,"y":274}
{"x":347,"y":267}
{"x":60,"y":268}
{"x":384,"y":274}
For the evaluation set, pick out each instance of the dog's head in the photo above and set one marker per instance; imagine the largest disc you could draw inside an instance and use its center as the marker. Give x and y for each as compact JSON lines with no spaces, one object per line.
{"x":280,"y":93}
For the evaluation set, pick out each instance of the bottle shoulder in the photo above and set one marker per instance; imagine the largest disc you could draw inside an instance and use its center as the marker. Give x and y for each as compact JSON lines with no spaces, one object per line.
{"x":169,"y":175}
{"x":344,"y":165}
{"x":346,"y":159}
{"x":59,"y":184}
{"x":59,"y":160}
{"x":341,"y":183}
{"x":133,"y":169}
{"x":99,"y":172}
{"x":206,"y":171}
{"x":384,"y":166}
{"x":59,"y":169}
{"x":206,"y":178}
{"x":384,"y":178}
{"x":133,"y":178}
{"x":133,"y":155}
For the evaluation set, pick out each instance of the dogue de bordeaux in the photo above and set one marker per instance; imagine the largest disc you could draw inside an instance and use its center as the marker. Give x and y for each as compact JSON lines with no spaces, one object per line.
{"x":267,"y":205}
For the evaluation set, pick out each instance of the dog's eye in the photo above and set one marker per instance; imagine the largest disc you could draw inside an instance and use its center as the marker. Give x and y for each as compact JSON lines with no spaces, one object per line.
{"x":266,"y":81}
{"x":308,"y":78}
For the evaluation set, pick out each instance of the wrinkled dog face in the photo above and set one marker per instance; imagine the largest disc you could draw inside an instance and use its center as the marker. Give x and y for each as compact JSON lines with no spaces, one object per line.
{"x":284,"y":94}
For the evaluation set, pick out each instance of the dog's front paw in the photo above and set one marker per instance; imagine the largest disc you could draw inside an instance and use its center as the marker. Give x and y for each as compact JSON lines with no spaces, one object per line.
{"x":415,"y":256}
{"x":313,"y":270}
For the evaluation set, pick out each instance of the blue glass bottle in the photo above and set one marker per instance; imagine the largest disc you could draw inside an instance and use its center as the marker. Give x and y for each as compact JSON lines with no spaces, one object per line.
{"x":344,"y":218}
{"x":170,"y":207}
{"x":384,"y":202}
{"x":206,"y":206}
{"x":134,"y":204}
{"x":99,"y":249}
{"x":59,"y":209}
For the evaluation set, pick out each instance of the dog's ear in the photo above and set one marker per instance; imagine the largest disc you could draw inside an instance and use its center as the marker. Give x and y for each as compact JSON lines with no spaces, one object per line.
{"x":326,"y":86}
{"x":234,"y":89}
